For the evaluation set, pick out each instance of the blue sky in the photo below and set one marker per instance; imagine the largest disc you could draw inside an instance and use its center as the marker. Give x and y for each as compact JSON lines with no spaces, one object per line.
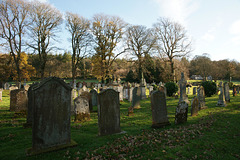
{"x":213,"y":25}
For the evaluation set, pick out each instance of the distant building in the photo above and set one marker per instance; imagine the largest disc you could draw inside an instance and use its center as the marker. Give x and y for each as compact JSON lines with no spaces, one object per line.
{"x":196,"y":77}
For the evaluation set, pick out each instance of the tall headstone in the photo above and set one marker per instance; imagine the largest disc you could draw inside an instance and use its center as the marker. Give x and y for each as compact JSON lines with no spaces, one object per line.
{"x":82,"y":112}
{"x":120,"y":90}
{"x":108,"y":112}
{"x":159,"y":109}
{"x":136,"y":97}
{"x":51,"y":116}
{"x":194,"y":106}
{"x":18,"y":100}
{"x":182,"y":86}
{"x":201,"y":97}
{"x":181,"y":112}
{"x":226,"y":92}
{"x":94,"y":94}
{"x":221,"y":100}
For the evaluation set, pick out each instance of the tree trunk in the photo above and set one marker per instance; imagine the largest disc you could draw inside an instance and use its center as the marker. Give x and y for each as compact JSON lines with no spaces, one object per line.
{"x":172,"y":69}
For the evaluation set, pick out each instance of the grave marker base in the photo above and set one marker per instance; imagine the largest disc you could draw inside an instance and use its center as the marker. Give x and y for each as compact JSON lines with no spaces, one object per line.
{"x":31,"y":151}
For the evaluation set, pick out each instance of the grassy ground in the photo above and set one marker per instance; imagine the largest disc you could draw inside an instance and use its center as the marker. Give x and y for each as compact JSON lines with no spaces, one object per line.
{"x":213,"y":134}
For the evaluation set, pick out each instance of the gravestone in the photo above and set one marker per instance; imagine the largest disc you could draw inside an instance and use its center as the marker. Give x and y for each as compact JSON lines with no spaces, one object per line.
{"x":201,"y":98}
{"x":1,"y":95}
{"x":143,"y":92}
{"x":194,"y":106}
{"x":120,"y":90}
{"x":159,"y":109}
{"x":181,"y":112}
{"x":94,"y":94}
{"x":130,"y":91}
{"x":108,"y":112}
{"x":226,"y":92}
{"x":89,"y":97}
{"x":234,"y":91}
{"x":194,"y":90}
{"x":6,"y":86}
{"x":136,"y":97}
{"x":238,"y":89}
{"x":182,"y":86}
{"x":51,"y":116}
{"x":82,"y":112}
{"x":221,"y":98}
{"x":18,"y":100}
{"x":30,"y":95}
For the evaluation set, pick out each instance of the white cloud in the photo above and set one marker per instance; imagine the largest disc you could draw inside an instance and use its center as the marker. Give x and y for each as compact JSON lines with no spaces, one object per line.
{"x":235,"y":27}
{"x":178,"y":10}
{"x":208,"y":37}
{"x":42,"y":1}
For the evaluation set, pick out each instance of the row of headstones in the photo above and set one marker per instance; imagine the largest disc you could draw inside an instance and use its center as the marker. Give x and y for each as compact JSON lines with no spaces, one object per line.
{"x":50,"y":107}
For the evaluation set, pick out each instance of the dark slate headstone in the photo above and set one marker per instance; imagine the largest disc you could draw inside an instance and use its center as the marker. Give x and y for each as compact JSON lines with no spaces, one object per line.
{"x":194,"y":106}
{"x":181,"y":113}
{"x":159,"y":109}
{"x":108,"y":112}
{"x":136,"y":97}
{"x":18,"y":100}
{"x":221,"y":100}
{"x":226,"y":92}
{"x":82,"y":112}
{"x":94,"y":94}
{"x":51,"y":116}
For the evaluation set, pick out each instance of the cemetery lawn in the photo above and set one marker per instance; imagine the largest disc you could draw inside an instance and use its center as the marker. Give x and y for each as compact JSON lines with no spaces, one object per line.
{"x":213,"y":134}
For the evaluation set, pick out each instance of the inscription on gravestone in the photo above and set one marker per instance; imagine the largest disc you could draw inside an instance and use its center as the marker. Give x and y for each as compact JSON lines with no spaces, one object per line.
{"x":194,"y":106}
{"x":136,"y":97}
{"x":51,"y":116}
{"x":108,"y":112}
{"x":159,"y":109}
{"x":181,"y":112}
{"x":82,"y":112}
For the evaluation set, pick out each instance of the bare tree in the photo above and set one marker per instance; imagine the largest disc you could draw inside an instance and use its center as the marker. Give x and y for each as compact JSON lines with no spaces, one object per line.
{"x":140,"y":41}
{"x":81,"y":39}
{"x":108,"y":32}
{"x":13,"y":22}
{"x":45,"y":22}
{"x":172,"y":40}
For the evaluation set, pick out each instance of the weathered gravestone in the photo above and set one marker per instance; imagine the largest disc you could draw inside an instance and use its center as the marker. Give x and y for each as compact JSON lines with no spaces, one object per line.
{"x":51,"y":116}
{"x":94,"y":94}
{"x":30,"y":105}
{"x":201,"y":97}
{"x":136,"y":97}
{"x":181,"y":112}
{"x":108,"y":112}
{"x":226,"y":92}
{"x":89,"y":97}
{"x":182,"y":86}
{"x":194,"y":106}
{"x":159,"y":109}
{"x":221,"y":100}
{"x":82,"y":112}
{"x":18,"y":100}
